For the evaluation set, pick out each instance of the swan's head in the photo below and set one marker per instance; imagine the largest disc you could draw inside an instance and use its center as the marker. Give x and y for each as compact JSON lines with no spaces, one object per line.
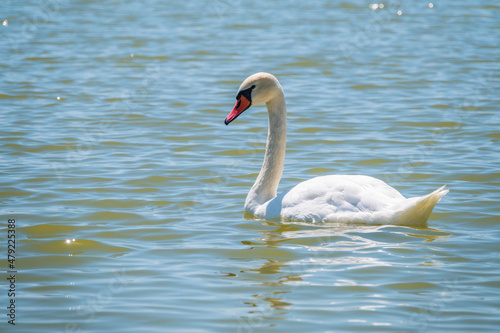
{"x":257,"y":89}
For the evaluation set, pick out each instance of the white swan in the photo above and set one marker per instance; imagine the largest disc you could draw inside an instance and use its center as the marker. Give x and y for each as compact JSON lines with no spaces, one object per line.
{"x":346,"y":198}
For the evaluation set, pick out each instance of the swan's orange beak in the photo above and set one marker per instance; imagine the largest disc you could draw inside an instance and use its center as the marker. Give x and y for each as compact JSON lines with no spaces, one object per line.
{"x":241,"y":105}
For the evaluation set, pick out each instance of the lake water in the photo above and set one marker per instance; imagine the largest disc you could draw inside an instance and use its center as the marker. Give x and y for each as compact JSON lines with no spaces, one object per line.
{"x":128,"y":189}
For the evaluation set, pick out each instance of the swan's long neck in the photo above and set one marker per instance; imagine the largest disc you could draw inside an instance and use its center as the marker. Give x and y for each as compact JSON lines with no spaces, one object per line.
{"x":266,"y":185}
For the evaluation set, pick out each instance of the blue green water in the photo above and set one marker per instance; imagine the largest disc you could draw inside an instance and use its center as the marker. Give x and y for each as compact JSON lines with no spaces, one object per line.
{"x":128,"y":189}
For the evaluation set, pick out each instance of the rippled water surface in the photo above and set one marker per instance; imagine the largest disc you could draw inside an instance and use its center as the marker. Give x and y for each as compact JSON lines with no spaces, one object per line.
{"x":128,"y":189}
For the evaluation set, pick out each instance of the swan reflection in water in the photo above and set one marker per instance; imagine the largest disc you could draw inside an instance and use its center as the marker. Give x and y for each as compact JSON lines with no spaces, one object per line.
{"x":296,"y":254}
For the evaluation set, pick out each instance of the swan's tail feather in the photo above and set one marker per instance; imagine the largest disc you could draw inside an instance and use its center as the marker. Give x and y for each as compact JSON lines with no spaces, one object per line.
{"x":416,"y":211}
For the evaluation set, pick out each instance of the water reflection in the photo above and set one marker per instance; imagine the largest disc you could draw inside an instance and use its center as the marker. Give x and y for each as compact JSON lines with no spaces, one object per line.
{"x":335,"y":255}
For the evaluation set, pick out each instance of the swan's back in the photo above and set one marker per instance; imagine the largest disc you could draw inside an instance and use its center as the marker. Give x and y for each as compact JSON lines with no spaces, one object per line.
{"x":352,"y":198}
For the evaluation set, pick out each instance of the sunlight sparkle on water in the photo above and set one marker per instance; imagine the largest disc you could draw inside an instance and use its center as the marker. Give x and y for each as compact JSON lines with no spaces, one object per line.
{"x":375,"y":6}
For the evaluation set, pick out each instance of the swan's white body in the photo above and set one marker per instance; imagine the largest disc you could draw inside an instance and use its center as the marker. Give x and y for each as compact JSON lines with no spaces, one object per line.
{"x":346,"y":198}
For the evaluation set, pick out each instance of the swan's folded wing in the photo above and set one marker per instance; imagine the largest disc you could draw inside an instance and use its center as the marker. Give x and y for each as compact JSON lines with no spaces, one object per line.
{"x":337,"y":198}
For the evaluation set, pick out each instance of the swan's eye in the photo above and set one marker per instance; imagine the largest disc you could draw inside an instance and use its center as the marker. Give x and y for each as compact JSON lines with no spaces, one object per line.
{"x":247,"y":93}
